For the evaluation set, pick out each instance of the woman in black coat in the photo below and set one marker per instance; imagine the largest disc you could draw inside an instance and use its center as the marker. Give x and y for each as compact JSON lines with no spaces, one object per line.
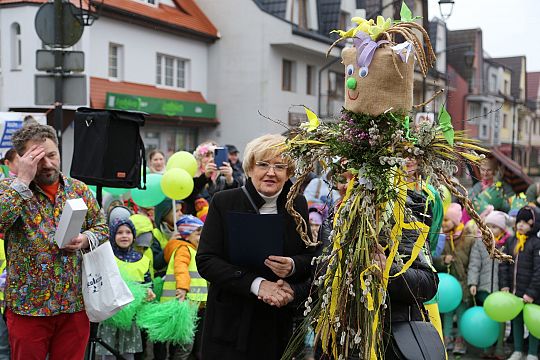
{"x":247,"y":316}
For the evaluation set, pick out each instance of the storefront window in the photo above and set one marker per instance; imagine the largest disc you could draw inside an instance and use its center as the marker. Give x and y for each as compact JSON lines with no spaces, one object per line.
{"x":169,"y":139}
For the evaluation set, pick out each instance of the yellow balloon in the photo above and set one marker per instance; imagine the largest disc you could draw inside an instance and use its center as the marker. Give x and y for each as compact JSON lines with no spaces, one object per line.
{"x":183,"y":160}
{"x":177,"y":184}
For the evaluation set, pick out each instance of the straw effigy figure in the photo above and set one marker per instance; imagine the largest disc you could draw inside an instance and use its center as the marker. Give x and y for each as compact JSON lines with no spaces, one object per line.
{"x":373,"y":140}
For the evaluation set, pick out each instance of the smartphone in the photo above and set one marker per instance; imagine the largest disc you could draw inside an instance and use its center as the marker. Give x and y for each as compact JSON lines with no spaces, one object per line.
{"x":220,"y":156}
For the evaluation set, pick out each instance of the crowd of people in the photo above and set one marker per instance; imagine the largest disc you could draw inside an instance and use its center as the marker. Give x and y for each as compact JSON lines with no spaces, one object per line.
{"x":246,"y":310}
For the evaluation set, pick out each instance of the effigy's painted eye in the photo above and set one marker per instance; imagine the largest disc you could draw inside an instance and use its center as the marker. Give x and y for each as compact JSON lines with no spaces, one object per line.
{"x":363,"y":71}
{"x":350,"y":70}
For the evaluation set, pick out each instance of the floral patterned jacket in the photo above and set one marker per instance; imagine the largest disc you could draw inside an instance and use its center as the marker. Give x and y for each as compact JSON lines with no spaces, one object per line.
{"x":43,"y":280}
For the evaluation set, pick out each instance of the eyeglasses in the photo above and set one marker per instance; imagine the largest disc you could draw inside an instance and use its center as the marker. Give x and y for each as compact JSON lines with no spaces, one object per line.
{"x":265,"y":166}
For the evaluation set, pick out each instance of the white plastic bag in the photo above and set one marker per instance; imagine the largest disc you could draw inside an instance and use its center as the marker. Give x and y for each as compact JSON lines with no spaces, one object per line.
{"x":104,"y":291}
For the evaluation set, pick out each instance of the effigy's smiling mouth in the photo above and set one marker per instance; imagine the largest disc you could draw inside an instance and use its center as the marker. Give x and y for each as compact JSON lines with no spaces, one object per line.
{"x":351,"y":97}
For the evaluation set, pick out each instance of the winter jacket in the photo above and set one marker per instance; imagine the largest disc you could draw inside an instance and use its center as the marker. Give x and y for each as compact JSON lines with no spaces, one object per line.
{"x":496,"y":195}
{"x":523,"y":276}
{"x":418,"y":284}
{"x":237,"y":325}
{"x":182,"y":258}
{"x":483,"y":270}
{"x":460,"y":264}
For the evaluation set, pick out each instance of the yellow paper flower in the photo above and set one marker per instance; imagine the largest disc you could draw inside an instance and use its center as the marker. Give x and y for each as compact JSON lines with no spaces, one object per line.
{"x":381,"y":26}
{"x":344,"y":34}
{"x":363,"y":24}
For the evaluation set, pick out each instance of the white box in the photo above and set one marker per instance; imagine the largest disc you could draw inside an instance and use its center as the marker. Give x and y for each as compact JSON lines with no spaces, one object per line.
{"x":71,"y":221}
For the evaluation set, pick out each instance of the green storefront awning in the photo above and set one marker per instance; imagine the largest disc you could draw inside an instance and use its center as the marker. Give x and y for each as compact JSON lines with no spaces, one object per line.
{"x":160,"y":106}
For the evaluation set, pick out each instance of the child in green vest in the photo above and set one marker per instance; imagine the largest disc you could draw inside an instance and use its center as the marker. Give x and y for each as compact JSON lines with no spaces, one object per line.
{"x":136,"y":267}
{"x":182,"y":280}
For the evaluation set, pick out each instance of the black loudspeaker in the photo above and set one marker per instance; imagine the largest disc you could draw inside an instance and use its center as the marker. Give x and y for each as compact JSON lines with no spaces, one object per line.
{"x":108,"y":148}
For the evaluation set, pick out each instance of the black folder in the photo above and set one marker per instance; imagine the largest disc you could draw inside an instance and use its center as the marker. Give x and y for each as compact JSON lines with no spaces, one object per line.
{"x":254,"y":237}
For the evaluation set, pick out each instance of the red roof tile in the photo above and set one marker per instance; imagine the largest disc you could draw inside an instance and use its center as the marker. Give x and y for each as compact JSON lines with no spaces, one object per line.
{"x":100,"y":87}
{"x":186,"y":14}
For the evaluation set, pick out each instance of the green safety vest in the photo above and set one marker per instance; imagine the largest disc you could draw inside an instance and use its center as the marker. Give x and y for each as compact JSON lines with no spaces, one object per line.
{"x":160,"y":237}
{"x":150,"y":256}
{"x":135,"y":270}
{"x":198,"y":287}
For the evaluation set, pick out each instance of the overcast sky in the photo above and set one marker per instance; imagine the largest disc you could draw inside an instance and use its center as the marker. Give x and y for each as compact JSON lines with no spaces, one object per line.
{"x":509,"y":27}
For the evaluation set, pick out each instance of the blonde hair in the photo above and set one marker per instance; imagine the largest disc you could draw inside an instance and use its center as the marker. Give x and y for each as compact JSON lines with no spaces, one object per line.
{"x":265,"y":148}
{"x":203,"y":149}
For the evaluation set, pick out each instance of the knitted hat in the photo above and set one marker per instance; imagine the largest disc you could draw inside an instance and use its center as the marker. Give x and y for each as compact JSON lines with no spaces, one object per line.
{"x":497,"y":218}
{"x":119,"y":212}
{"x":113,"y":228}
{"x":188,"y":224}
{"x":526,"y":213}
{"x":454,"y":213}
{"x":143,"y":227}
{"x":161,"y":210}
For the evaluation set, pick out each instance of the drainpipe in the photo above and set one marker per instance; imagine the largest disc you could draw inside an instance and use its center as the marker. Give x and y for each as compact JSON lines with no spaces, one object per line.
{"x":319,"y":87}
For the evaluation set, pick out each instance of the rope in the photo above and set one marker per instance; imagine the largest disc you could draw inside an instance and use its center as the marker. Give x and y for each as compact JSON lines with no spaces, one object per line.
{"x":301,"y":226}
{"x":487,"y":235}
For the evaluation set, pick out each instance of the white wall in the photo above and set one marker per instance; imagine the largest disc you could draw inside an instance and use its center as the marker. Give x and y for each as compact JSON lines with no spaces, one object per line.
{"x":140,"y":46}
{"x":17,"y":88}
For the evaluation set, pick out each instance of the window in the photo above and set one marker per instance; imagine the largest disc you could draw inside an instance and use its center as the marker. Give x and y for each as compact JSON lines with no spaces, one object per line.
{"x":302,"y":14}
{"x":16,"y":47}
{"x":116,"y":60}
{"x":336,"y":85}
{"x":505,"y":121}
{"x":506,"y":91}
{"x":310,"y":80}
{"x":484,"y":131}
{"x":344,"y":20}
{"x":171,"y":71}
{"x":493,"y":83}
{"x":288,"y":75}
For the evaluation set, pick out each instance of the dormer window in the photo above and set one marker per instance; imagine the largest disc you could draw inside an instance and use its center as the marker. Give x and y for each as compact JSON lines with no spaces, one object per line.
{"x":303,"y":13}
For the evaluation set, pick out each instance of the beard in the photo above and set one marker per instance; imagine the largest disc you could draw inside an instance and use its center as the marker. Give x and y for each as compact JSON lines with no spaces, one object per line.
{"x":47,"y":176}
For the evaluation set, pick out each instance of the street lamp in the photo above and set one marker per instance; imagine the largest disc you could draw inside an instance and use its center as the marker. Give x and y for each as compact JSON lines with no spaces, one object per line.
{"x":446,"y":7}
{"x":87,"y":11}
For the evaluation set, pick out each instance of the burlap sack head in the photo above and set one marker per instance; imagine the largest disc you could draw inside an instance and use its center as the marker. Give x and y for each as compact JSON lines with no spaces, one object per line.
{"x":382,"y":88}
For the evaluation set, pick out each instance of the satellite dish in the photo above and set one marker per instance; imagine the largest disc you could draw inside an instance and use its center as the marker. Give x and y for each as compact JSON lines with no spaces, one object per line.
{"x":45,"y":24}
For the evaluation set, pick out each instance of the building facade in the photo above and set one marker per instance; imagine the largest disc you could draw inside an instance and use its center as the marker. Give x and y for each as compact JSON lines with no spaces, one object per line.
{"x":149,"y":56}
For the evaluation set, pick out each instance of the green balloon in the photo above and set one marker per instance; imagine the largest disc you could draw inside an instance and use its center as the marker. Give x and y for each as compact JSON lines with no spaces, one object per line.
{"x":531,"y":315}
{"x":477,"y":328}
{"x":92,"y":188}
{"x":503,"y":306}
{"x":183,"y":160}
{"x":152,"y":195}
{"x":435,"y":300}
{"x":449,"y":292}
{"x":177,"y":184}
{"x":115,"y":191}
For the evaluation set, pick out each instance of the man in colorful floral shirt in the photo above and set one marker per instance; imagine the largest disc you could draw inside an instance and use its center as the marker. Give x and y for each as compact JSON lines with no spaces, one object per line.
{"x":44,"y":305}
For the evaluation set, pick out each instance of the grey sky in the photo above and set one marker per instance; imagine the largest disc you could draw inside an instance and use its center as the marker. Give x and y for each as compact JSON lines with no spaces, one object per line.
{"x":509,"y":27}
